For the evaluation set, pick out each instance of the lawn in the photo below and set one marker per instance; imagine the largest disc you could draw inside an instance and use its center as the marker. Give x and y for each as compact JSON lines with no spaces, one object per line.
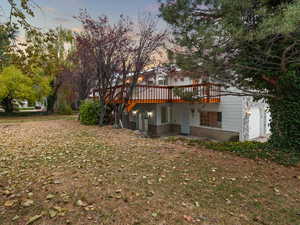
{"x":60,"y":172}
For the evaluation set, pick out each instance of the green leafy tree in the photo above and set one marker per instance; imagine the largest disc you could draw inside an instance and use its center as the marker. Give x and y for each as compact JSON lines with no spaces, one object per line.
{"x":15,"y":86}
{"x":47,"y":51}
{"x":253,"y":45}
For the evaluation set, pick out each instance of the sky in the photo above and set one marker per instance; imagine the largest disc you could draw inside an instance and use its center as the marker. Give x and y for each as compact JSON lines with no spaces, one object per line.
{"x":53,"y":13}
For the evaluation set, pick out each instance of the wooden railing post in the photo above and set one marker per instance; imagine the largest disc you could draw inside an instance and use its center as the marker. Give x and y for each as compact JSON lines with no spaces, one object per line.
{"x":170,"y":94}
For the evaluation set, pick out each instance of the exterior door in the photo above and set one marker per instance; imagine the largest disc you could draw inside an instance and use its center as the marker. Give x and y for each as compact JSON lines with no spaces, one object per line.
{"x":254,"y":123}
{"x":185,"y":122}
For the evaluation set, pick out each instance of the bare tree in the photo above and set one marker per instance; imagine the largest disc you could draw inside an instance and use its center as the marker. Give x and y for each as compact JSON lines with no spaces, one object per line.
{"x":144,"y":44}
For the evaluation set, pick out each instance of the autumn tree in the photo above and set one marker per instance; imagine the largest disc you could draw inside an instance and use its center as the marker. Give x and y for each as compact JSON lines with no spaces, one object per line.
{"x":116,"y":53}
{"x":252,"y":45}
{"x":83,"y":73}
{"x":104,"y":43}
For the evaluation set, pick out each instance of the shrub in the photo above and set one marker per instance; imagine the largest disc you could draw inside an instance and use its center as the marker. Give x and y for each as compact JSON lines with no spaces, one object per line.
{"x":89,"y":112}
{"x":64,"y":109}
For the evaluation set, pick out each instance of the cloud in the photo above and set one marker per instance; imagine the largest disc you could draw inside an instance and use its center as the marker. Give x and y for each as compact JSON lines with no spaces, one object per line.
{"x":77,"y":29}
{"x":61,"y":20}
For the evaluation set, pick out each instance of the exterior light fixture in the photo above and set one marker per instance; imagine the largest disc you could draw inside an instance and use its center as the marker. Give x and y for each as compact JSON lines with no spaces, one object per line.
{"x":150,"y":114}
{"x":140,"y":79}
{"x":248,"y":113}
{"x":134,"y":112}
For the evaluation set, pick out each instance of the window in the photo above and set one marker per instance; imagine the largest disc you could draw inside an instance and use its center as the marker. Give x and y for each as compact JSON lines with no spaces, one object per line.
{"x":162,"y":82}
{"x":150,"y":82}
{"x":182,"y":78}
{"x":164,"y":115}
{"x":211,"y":119}
{"x":195,"y":81}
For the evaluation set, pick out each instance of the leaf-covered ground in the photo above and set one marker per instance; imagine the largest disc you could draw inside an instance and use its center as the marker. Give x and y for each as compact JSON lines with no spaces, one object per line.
{"x":60,"y":172}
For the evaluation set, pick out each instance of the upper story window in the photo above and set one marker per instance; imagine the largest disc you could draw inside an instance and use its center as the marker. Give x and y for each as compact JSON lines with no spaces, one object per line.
{"x":150,"y":82}
{"x":182,"y":79}
{"x":162,"y":81}
{"x":195,"y":81}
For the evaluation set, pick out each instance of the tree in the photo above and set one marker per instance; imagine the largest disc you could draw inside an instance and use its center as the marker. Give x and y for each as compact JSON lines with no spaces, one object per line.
{"x":83,"y":72}
{"x":15,"y":85}
{"x":18,"y":14}
{"x":252,"y":45}
{"x":114,"y":54}
{"x":60,"y":56}
{"x":137,"y":56}
{"x":47,"y":51}
{"x":104,"y":43}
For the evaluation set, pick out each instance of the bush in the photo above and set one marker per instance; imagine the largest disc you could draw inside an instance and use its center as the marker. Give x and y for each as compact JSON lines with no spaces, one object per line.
{"x":89,"y":112}
{"x":64,"y":109}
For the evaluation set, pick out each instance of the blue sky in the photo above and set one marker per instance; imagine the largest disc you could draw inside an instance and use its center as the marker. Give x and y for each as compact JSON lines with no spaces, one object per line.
{"x":60,"y":12}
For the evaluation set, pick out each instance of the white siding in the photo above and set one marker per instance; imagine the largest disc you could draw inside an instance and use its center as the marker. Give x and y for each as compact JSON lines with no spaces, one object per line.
{"x":230,"y":106}
{"x":179,"y":81}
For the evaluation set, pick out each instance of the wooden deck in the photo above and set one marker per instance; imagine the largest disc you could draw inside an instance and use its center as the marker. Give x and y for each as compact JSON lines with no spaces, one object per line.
{"x":145,"y":94}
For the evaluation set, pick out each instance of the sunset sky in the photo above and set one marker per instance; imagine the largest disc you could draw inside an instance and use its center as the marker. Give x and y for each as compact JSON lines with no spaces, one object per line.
{"x":53,"y":13}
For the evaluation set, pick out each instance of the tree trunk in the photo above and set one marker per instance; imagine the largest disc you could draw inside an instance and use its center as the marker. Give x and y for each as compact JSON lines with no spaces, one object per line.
{"x":119,"y":109}
{"x":285,"y":124}
{"x":51,"y":99}
{"x":8,"y":105}
{"x":103,"y":107}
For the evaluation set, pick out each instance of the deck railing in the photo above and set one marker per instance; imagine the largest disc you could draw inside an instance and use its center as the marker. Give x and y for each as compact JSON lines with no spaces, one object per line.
{"x":204,"y":93}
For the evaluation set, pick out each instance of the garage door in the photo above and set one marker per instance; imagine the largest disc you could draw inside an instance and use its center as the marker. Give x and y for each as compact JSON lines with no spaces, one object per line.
{"x":254,"y":123}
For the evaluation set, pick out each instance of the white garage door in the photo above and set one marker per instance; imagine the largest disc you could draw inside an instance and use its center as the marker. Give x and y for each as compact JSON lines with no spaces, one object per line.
{"x":254,"y":123}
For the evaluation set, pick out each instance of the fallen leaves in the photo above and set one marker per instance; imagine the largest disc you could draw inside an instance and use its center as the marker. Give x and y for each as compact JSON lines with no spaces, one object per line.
{"x":27,"y":203}
{"x":52,"y":213}
{"x":50,"y":196}
{"x":61,"y":170}
{"x":81,"y":203}
{"x":9,"y":203}
{"x":33,"y":219}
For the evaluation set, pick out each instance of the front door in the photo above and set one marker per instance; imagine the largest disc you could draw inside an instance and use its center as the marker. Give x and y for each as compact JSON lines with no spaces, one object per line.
{"x":185,"y":123}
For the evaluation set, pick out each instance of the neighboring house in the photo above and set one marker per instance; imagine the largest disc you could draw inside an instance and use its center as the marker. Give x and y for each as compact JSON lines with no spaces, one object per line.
{"x":37,"y":105}
{"x":156,"y":110}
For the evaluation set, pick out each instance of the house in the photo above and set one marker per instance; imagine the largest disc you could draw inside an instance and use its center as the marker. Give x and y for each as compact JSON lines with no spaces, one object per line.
{"x":156,"y":109}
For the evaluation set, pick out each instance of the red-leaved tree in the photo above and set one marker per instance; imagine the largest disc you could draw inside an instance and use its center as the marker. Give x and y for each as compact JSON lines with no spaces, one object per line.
{"x":112,"y":54}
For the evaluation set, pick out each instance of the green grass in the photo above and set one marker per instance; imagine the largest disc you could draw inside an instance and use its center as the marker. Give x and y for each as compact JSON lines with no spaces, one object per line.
{"x":248,"y":149}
